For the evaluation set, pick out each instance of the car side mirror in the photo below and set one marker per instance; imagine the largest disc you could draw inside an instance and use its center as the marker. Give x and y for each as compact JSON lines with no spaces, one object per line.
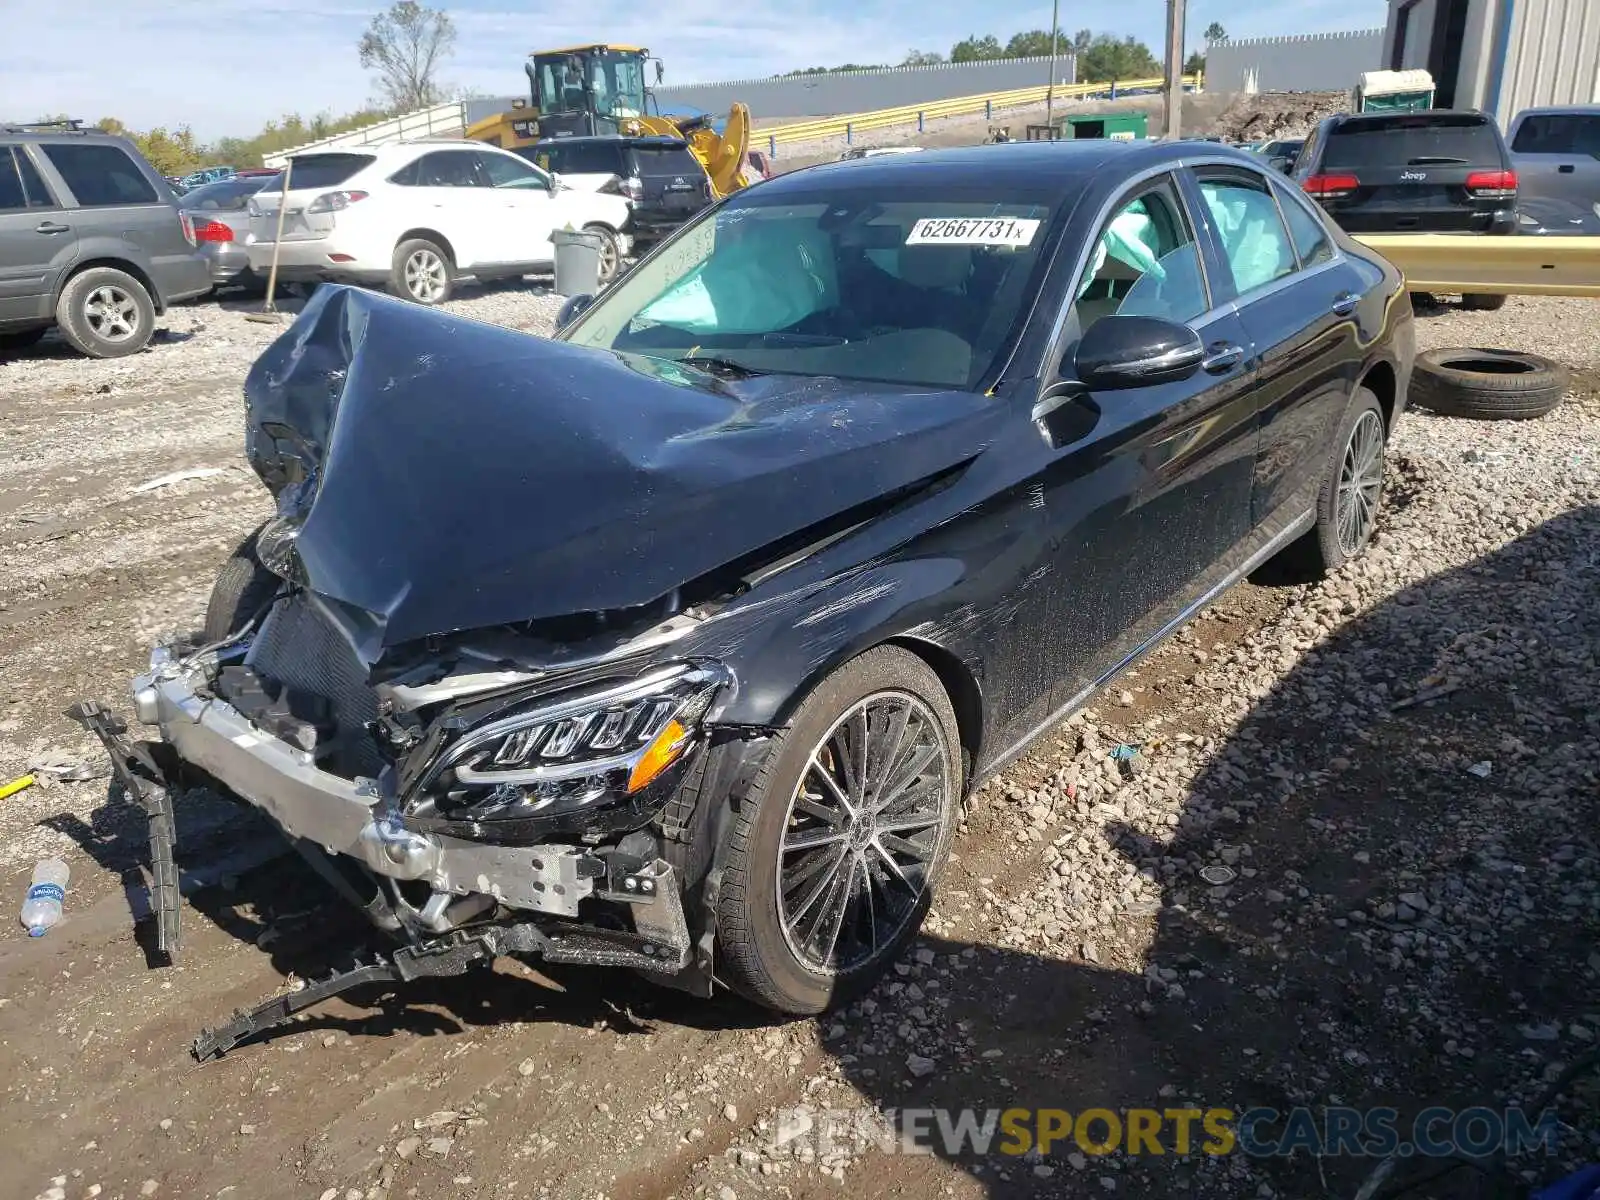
{"x":1128,"y":352}
{"x":573,"y":309}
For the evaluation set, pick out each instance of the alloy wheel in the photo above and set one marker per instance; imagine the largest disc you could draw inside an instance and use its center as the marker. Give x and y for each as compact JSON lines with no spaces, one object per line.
{"x":112,"y":314}
{"x":863,"y":833}
{"x":1360,"y":483}
{"x":608,"y":259}
{"x":426,"y":277}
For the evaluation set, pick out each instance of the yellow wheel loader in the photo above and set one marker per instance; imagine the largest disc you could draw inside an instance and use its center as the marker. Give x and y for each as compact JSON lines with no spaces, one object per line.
{"x":598,"y":89}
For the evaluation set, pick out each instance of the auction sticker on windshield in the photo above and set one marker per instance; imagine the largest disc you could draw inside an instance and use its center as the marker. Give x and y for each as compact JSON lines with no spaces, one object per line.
{"x":973,"y":231}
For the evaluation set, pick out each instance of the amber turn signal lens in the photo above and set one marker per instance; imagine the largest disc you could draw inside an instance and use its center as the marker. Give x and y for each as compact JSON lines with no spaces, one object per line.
{"x":661,"y":754}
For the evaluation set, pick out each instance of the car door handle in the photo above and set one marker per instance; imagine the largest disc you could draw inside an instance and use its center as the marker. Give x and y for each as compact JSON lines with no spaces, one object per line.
{"x":1345,"y":303}
{"x":51,"y":227}
{"x":1221,"y":357}
{"x":1566,"y":168}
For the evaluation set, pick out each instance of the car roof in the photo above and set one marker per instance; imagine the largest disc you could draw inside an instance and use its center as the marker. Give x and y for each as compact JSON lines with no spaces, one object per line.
{"x":1068,"y":164}
{"x":590,"y":139}
{"x":1561,"y":110}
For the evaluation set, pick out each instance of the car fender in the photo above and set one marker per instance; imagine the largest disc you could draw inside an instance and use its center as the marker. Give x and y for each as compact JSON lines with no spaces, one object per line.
{"x":782,"y":646}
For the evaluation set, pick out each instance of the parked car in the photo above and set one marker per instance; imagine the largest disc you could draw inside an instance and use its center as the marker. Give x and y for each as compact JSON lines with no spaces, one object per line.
{"x":1282,"y":153}
{"x":91,"y":241}
{"x":220,"y":215}
{"x":760,"y":166}
{"x":1546,"y":217}
{"x":418,"y":216}
{"x":660,"y":176}
{"x":1430,"y":171}
{"x":1556,"y":153}
{"x":840,"y":500}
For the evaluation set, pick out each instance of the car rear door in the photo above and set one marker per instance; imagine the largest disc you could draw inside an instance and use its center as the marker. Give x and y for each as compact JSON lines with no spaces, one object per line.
{"x":36,"y":245}
{"x":1431,"y":172}
{"x":1557,"y":156}
{"x":1149,"y":512}
{"x":452,"y":194}
{"x":1298,"y":297}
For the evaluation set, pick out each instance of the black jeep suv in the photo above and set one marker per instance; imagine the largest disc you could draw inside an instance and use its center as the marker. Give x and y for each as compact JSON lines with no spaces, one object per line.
{"x":1435,"y":171}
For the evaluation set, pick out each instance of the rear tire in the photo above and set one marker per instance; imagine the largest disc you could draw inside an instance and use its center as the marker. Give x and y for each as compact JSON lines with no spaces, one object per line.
{"x":610,"y":252}
{"x":242,"y":589}
{"x":1487,"y":385}
{"x":106,"y":313}
{"x":799,"y":952}
{"x":1351,"y":496}
{"x":1483,"y":302}
{"x":422,"y":272}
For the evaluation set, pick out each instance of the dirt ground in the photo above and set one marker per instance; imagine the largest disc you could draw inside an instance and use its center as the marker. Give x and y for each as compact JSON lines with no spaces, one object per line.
{"x":1070,"y":960}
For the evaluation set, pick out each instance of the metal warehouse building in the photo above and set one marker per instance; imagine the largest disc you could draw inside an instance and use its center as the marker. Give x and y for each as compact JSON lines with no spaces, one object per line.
{"x":1500,"y":56}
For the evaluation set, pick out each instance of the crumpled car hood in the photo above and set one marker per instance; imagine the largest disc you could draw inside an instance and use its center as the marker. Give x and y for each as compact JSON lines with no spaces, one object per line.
{"x":465,"y":475}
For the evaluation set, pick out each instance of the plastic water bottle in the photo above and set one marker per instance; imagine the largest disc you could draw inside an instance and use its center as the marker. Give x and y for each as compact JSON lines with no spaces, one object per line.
{"x":42,"y":909}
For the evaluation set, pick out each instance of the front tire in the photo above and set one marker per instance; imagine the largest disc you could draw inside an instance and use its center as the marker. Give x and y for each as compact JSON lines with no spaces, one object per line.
{"x":242,"y":590}
{"x":106,"y":313}
{"x":833,"y":856}
{"x":422,"y":272}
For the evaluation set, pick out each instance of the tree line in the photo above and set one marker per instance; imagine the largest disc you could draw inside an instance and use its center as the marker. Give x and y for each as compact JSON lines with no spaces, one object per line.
{"x":1101,"y":57}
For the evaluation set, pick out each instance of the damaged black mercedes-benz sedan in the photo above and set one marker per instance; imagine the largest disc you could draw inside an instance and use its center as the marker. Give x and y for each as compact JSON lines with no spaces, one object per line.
{"x":677,"y":641}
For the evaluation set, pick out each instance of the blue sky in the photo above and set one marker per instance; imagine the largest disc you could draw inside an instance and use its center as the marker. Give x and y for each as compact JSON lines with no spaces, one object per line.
{"x":226,"y":66}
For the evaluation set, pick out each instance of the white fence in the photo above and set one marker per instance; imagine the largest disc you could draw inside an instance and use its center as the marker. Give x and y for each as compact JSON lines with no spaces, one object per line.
{"x":442,"y":120}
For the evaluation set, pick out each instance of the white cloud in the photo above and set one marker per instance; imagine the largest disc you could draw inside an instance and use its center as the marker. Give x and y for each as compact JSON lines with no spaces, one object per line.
{"x":226,"y":66}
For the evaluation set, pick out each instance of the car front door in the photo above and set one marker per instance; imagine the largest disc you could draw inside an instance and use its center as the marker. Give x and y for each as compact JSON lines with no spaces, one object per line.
{"x":1147,"y":501}
{"x":1298,"y":298}
{"x":36,"y":244}
{"x":523,"y":192}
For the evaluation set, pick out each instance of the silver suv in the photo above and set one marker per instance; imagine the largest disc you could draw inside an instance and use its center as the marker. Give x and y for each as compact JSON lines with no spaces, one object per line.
{"x":1556,"y":153}
{"x":91,"y":241}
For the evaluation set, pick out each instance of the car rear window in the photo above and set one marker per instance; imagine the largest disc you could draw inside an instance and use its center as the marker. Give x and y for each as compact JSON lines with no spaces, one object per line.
{"x":595,"y":158}
{"x":1559,"y":133}
{"x":320,"y":170}
{"x":665,"y":160}
{"x":1407,"y":139}
{"x":101,"y":175}
{"x":226,"y":195}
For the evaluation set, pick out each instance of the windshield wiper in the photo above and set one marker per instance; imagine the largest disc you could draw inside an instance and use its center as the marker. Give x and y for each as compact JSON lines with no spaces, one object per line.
{"x":711,"y":363}
{"x":1436,"y":160}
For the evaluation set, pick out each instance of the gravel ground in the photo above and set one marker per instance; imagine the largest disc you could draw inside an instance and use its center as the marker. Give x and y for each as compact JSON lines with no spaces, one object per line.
{"x":1390,"y":778}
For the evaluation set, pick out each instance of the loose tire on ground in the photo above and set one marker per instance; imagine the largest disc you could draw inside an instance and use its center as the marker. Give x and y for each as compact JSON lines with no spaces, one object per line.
{"x":242,"y":589}
{"x":1482,"y":302}
{"x":106,"y":313}
{"x":755,"y":952}
{"x":422,"y":272}
{"x":1350,"y":470}
{"x":610,"y":252}
{"x":1488,"y":385}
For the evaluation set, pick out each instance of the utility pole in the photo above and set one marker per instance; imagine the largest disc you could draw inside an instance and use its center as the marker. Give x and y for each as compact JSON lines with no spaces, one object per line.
{"x":1174,"y":105}
{"x":1055,"y":30}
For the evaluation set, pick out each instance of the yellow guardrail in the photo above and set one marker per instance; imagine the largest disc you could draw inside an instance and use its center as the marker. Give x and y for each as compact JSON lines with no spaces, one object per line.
{"x":959,"y":106}
{"x":1509,"y":266}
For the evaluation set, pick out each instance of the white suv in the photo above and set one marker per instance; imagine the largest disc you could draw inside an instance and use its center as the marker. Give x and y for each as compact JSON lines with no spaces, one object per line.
{"x":416,"y":216}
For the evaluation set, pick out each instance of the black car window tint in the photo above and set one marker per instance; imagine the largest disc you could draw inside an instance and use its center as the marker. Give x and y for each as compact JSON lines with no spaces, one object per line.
{"x":33,"y":185}
{"x":1145,"y":263}
{"x":449,"y":168}
{"x":1307,"y":228}
{"x":100,"y":175}
{"x":12,"y":196}
{"x":1254,"y":240}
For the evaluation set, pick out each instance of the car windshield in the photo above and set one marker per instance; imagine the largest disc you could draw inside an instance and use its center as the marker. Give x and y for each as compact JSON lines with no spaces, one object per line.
{"x":1411,"y":139}
{"x":226,"y":195}
{"x":319,"y":171}
{"x":881,"y":283}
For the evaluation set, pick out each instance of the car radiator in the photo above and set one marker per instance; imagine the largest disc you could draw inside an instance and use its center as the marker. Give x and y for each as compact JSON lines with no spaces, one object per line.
{"x":301,"y":649}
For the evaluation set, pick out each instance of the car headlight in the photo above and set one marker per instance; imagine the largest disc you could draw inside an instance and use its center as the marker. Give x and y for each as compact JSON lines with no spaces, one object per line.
{"x":562,"y":756}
